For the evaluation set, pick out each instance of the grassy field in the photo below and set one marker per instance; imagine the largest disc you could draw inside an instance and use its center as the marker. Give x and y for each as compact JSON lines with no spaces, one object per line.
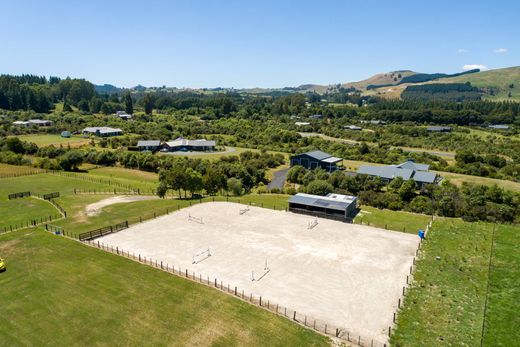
{"x":20,"y":211}
{"x":58,"y":292}
{"x":12,"y":170}
{"x":42,"y":140}
{"x":498,"y":78}
{"x":392,"y":220}
{"x":445,"y":305}
{"x":502,"y":318}
{"x":457,"y":179}
{"x":135,"y":178}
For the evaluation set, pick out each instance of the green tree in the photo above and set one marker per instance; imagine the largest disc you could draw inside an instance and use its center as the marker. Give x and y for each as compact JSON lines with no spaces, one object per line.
{"x":148,"y":103}
{"x":71,"y":160}
{"x":319,"y":187}
{"x":234,"y":185}
{"x":193,"y":180}
{"x":129,"y":104}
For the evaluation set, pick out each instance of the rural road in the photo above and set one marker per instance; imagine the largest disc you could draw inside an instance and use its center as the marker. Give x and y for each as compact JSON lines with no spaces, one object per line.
{"x":278,"y":179}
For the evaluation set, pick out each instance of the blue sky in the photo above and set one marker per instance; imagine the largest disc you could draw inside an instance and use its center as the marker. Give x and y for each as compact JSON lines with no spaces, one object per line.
{"x":253,"y":43}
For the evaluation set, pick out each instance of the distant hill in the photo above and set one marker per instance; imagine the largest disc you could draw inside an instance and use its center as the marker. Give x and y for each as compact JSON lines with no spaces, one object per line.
{"x":387,"y":79}
{"x":495,"y":84}
{"x":107,"y":89}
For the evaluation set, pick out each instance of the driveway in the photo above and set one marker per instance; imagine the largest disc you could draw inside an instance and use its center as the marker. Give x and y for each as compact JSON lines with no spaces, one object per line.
{"x":278,"y":179}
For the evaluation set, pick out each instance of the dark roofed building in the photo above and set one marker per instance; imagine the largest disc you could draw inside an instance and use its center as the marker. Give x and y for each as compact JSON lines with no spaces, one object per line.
{"x":332,"y":206}
{"x":438,"y":129}
{"x":317,"y":159}
{"x":408,"y":170}
{"x":148,"y":145}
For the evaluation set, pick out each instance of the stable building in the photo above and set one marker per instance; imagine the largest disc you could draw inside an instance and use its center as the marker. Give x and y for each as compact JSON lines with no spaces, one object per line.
{"x":317,"y":159}
{"x":332,"y":206}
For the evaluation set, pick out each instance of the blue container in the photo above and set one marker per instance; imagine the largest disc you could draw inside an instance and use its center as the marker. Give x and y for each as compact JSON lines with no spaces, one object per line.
{"x":421,"y":234}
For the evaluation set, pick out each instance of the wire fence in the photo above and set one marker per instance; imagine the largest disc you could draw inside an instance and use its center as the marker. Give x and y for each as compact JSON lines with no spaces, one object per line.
{"x":97,"y":180}
{"x":125,"y":191}
{"x":28,"y":172}
{"x":301,"y":318}
{"x":33,"y":222}
{"x":409,"y":277}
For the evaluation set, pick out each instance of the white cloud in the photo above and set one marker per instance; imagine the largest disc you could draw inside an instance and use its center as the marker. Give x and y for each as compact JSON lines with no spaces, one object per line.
{"x":474,"y":66}
{"x":462,"y":50}
{"x":501,"y":50}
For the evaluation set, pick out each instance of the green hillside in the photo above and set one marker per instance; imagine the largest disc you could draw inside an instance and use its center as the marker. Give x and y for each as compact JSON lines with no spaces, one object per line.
{"x":495,"y":82}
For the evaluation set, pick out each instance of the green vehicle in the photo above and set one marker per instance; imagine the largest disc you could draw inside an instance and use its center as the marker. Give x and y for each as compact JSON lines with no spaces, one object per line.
{"x":3,"y":267}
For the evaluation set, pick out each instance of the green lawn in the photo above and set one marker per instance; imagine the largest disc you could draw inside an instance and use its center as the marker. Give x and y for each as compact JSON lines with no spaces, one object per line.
{"x":392,"y":220}
{"x":58,"y":292}
{"x":445,"y":305}
{"x":42,"y":140}
{"x":135,"y":178}
{"x":21,"y":211}
{"x":502,"y":318}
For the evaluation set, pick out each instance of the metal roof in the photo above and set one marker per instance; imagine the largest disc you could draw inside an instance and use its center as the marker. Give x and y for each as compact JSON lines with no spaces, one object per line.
{"x":318,"y":155}
{"x":438,"y":128}
{"x":148,"y":143}
{"x":332,"y":160}
{"x":424,"y":177}
{"x":388,"y":172}
{"x":102,"y":130}
{"x":332,"y":201}
{"x":179,"y":142}
{"x":413,"y":166}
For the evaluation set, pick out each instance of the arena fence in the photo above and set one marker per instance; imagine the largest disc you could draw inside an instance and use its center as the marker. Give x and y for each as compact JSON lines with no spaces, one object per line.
{"x":90,"y":235}
{"x":301,"y":318}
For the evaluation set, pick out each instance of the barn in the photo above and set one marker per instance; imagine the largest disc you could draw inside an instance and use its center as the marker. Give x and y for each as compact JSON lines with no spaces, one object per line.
{"x":317,"y":159}
{"x":332,"y":206}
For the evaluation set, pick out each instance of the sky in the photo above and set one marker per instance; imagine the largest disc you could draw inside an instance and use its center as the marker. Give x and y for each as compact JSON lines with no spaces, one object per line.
{"x":245,"y":44}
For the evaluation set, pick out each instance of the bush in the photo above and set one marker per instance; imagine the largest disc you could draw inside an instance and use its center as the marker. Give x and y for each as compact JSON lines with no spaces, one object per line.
{"x":319,"y":187}
{"x":235,"y":186}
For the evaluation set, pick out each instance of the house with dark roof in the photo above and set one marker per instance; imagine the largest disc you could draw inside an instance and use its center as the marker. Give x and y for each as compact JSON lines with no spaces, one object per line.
{"x":332,"y":206}
{"x":408,"y":170}
{"x":148,"y":145}
{"x":438,"y":129}
{"x":317,"y":159}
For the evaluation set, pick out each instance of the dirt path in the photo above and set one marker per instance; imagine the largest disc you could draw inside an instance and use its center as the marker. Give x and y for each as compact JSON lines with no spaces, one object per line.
{"x":95,"y":208}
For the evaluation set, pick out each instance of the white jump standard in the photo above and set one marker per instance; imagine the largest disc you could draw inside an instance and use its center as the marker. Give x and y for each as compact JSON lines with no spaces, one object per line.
{"x":195,"y":219}
{"x":263,"y":273}
{"x":312,"y":224}
{"x":201,"y":256}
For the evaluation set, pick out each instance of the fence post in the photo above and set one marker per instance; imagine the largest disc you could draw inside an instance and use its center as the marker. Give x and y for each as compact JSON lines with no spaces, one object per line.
{"x":294,"y":315}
